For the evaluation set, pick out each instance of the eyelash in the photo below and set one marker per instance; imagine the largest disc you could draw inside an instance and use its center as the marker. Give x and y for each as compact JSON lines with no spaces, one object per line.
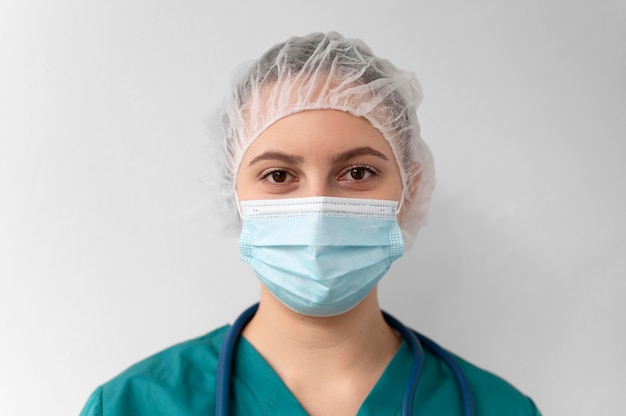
{"x":265,"y":175}
{"x":370,"y":169}
{"x":268,"y":172}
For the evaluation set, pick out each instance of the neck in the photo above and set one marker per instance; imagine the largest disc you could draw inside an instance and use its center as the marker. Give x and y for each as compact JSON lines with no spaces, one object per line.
{"x":290,"y":342}
{"x":329,"y":364}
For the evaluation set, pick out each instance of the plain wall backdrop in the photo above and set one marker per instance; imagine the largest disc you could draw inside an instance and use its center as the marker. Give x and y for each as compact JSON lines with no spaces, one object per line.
{"x":108,"y":251}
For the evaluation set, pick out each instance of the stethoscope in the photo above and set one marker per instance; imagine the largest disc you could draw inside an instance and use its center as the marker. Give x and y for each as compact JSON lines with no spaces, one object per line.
{"x":414,"y":340}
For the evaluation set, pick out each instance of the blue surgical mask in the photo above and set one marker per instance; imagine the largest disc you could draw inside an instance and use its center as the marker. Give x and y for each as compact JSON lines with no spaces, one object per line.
{"x":320,"y":256}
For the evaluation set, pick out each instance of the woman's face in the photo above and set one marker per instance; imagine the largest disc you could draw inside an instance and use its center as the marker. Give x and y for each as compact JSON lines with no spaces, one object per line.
{"x":319,"y":153}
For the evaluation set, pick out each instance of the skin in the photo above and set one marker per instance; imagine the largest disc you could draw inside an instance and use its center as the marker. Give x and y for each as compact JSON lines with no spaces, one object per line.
{"x":329,"y":364}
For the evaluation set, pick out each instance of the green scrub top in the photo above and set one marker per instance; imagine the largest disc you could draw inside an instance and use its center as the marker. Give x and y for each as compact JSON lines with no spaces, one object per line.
{"x":181,"y":381}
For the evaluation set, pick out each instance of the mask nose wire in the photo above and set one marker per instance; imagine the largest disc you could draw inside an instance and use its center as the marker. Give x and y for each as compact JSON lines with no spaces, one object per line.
{"x":239,"y":210}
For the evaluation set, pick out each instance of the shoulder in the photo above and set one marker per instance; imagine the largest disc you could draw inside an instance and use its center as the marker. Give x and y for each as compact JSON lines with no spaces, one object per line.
{"x":438,"y":391}
{"x":164,"y":382}
{"x":495,"y":396}
{"x":181,"y":360}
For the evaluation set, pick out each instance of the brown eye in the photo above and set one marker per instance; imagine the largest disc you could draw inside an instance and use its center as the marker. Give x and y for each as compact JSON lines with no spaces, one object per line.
{"x":358,"y":173}
{"x":276,"y":176}
{"x":279,"y":176}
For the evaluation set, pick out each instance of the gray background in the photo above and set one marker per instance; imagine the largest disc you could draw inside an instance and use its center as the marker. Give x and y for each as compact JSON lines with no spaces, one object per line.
{"x":108,"y":253}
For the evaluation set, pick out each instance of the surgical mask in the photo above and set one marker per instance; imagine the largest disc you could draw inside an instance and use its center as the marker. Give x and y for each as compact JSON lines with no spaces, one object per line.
{"x":320,"y":256}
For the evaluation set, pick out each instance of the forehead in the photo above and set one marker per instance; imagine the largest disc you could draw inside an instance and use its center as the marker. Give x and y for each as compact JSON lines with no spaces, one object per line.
{"x":319,"y":133}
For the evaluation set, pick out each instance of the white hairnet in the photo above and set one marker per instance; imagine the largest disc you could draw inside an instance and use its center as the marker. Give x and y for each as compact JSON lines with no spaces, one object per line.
{"x":326,"y":71}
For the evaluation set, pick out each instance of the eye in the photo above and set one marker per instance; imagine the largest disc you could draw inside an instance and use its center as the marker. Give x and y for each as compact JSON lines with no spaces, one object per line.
{"x":359,"y":173}
{"x":276,"y":175}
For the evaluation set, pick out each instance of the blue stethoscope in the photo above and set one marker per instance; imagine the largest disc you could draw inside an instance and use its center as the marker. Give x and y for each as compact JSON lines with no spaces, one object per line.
{"x":414,"y":340}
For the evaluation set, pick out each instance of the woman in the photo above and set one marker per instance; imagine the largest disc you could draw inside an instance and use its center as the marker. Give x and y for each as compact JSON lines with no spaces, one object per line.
{"x":323,"y":161}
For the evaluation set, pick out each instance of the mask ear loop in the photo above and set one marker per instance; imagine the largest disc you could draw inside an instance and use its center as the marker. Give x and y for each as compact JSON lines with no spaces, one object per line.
{"x":402,"y":198}
{"x":400,"y":204}
{"x":238,"y":206}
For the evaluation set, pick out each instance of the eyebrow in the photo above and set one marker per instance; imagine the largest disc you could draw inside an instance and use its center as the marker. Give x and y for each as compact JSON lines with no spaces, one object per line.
{"x":275,"y":155}
{"x":297,"y":160}
{"x":359,"y":151}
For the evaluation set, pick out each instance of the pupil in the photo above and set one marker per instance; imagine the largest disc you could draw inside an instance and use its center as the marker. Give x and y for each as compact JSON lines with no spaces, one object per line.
{"x":357,"y":173}
{"x":279,"y":176}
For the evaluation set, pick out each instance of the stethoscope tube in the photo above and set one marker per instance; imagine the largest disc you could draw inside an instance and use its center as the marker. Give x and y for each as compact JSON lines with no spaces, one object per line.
{"x":225,"y":361}
{"x":413,"y":339}
{"x":467,"y":398}
{"x":416,"y":366}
